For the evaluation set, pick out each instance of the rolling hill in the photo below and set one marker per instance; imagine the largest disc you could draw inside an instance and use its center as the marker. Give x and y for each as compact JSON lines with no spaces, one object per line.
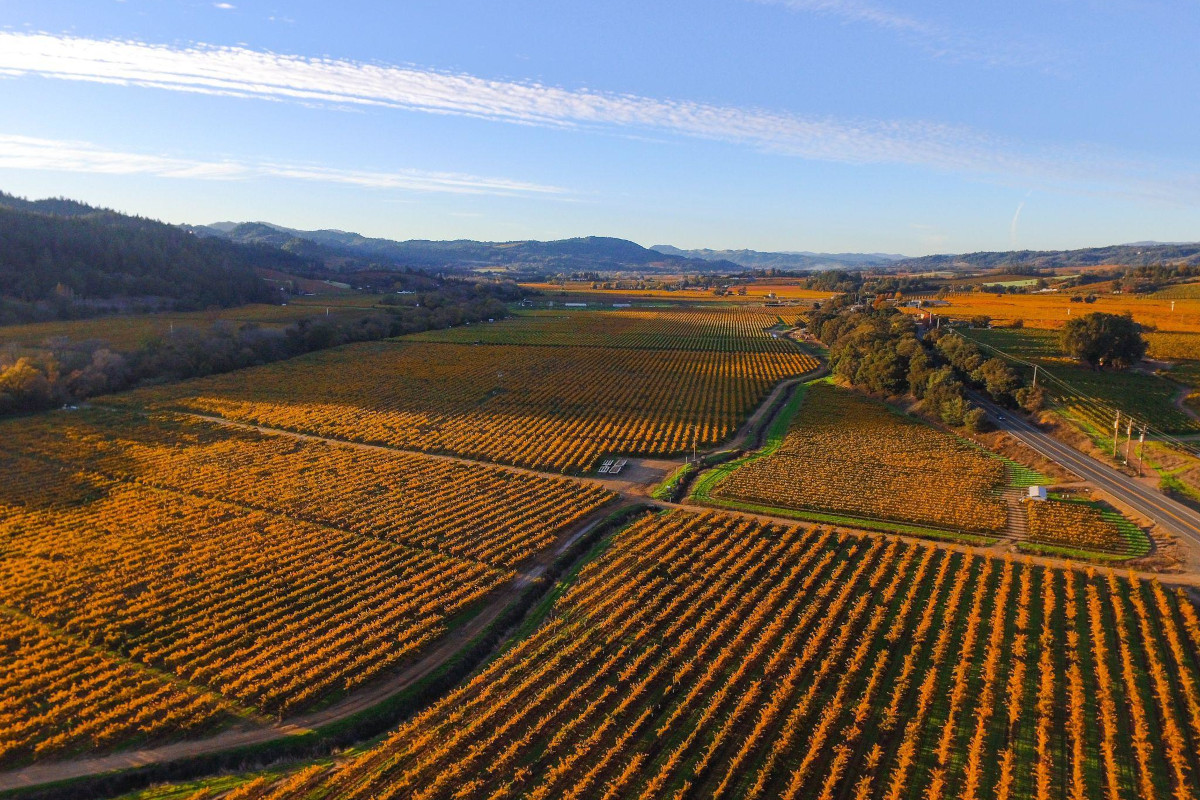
{"x":62,"y":259}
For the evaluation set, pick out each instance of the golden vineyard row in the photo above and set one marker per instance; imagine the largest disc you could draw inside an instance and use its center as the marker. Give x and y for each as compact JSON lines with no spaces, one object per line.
{"x":713,"y":657}
{"x":140,"y":602}
{"x":408,"y":498}
{"x":851,"y":454}
{"x":558,"y":408}
{"x":744,"y":331}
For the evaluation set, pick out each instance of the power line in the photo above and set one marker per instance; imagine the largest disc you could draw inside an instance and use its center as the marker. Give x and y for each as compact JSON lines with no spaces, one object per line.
{"x":1097,"y":406}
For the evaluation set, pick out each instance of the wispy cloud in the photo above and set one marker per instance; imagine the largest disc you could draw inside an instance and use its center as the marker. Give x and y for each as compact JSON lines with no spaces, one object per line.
{"x":246,"y":73}
{"x":25,"y":152}
{"x":1012,"y":227}
{"x":936,"y":39}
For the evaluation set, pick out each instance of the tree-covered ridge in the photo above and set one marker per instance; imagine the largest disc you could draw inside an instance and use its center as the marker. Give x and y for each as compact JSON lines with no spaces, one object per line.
{"x":60,"y":259}
{"x":1127,"y":255}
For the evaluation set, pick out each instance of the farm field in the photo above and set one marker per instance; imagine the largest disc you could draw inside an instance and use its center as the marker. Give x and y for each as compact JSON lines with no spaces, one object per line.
{"x":744,"y":330}
{"x":553,"y":408}
{"x":849,"y":454}
{"x":164,"y":576}
{"x":129,"y":331}
{"x":1173,"y":346}
{"x":708,"y":656}
{"x":1080,"y":525}
{"x":1051,"y":310}
{"x":1150,"y":398}
{"x":756,"y":292}
{"x":1180,"y":291}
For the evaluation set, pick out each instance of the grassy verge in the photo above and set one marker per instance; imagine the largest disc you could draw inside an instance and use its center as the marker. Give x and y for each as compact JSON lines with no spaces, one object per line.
{"x":1069,"y":552}
{"x":671,"y":488}
{"x":881,"y":526}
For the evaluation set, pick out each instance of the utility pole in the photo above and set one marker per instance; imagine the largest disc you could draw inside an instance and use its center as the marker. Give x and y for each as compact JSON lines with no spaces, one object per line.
{"x":1128,"y":437}
{"x":1035,"y":367}
{"x":1141,"y":447}
{"x":1116,"y":432}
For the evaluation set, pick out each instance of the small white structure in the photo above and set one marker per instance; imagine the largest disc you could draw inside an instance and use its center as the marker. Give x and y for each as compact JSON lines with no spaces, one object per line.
{"x":1037,"y":493}
{"x":575,"y":305}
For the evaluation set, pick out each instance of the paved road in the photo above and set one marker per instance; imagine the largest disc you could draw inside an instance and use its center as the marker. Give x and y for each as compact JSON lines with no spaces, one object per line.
{"x":1170,"y":514}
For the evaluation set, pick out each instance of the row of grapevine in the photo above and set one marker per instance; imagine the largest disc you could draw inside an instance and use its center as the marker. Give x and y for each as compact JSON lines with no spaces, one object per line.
{"x":168,"y":575}
{"x":710,"y":656}
{"x":850,"y":454}
{"x":494,"y":515}
{"x":557,"y":408}
{"x":57,"y":694}
{"x":1073,"y":524}
{"x":720,"y":330}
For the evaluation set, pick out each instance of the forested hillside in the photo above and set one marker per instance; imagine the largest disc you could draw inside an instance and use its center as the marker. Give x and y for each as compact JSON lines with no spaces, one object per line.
{"x":60,"y":259}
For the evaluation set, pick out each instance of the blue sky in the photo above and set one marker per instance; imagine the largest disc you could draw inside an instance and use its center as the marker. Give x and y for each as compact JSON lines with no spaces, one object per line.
{"x":829,"y":125}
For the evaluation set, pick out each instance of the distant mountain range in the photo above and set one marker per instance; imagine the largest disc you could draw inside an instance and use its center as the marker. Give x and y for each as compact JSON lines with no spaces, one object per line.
{"x":1139,"y":254}
{"x":345,"y":251}
{"x":351,"y":251}
{"x":791,"y":260}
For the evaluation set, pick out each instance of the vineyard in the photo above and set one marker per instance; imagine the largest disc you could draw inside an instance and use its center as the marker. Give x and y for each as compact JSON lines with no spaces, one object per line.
{"x":128,"y":332}
{"x":1173,"y":346}
{"x":1078,"y":525}
{"x":705,"y":656}
{"x":756,"y":292}
{"x":849,"y":454}
{"x":1053,"y":310}
{"x":1180,"y":291}
{"x":709,"y":330}
{"x":406,"y":498}
{"x":1093,"y":393}
{"x":557,"y":408}
{"x":167,"y":575}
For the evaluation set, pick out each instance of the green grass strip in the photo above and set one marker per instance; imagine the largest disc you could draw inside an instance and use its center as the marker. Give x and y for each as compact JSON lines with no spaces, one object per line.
{"x":776,"y":432}
{"x":666,"y":489}
{"x":857,"y":522}
{"x":1021,"y":476}
{"x":1069,"y":552}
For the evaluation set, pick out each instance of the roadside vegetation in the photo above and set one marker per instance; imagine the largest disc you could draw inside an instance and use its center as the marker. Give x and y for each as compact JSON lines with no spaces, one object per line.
{"x":60,"y":369}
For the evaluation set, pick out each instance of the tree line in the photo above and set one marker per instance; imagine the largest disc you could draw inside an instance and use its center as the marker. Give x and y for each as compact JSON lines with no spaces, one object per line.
{"x":61,"y":372}
{"x":877,"y":348}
